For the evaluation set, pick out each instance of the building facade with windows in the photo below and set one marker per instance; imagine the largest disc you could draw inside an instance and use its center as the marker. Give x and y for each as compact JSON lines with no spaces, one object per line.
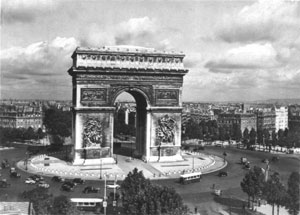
{"x":12,"y":116}
{"x":281,"y":121}
{"x":266,"y":120}
{"x":242,"y":120}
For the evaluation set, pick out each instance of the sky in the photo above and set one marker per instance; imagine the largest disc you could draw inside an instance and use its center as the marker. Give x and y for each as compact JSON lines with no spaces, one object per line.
{"x":235,"y":50}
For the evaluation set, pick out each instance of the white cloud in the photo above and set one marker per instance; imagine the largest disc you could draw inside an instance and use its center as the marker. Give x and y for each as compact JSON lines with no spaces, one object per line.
{"x":25,"y":10}
{"x":252,"y":56}
{"x":39,"y":66}
{"x":142,"y":31}
{"x":262,"y":21}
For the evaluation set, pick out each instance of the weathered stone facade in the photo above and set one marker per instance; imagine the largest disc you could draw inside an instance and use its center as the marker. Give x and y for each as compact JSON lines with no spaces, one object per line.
{"x":266,"y":120}
{"x":153,"y":78}
{"x":243,"y":121}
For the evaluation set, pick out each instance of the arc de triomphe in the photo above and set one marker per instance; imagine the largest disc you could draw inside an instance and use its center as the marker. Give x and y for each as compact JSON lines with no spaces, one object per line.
{"x":155,"y":81}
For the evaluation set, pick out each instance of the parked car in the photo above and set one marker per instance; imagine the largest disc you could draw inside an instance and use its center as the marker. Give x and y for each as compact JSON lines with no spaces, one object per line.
{"x":12,"y":169}
{"x":5,"y":164}
{"x":4,"y":184}
{"x":30,"y":181}
{"x":43,"y":184}
{"x":57,"y":179}
{"x":275,"y":158}
{"x":90,"y":189}
{"x":247,"y":165}
{"x":66,"y":187}
{"x":37,"y":178}
{"x":265,"y":160}
{"x":69,"y":183}
{"x":218,"y":192}
{"x":15,"y":175}
{"x":243,"y":160}
{"x":223,"y":174}
{"x":78,"y":181}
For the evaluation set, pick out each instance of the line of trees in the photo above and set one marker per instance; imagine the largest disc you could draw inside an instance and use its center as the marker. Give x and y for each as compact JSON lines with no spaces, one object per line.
{"x":211,"y":130}
{"x":272,"y":190}
{"x":141,"y":197}
{"x":20,"y":134}
{"x":45,"y":203}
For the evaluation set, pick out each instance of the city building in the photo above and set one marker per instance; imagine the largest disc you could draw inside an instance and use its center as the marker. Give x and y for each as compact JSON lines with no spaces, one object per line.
{"x":294,"y":117}
{"x":242,"y":120}
{"x":281,"y":118}
{"x":21,"y":116}
{"x":266,"y":120}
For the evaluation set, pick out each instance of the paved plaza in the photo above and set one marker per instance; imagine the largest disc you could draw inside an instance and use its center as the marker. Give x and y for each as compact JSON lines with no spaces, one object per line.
{"x":192,"y":162}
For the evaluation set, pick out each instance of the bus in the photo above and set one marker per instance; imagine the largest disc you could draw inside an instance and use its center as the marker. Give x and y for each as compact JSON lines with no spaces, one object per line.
{"x":88,"y":204}
{"x":190,"y":177}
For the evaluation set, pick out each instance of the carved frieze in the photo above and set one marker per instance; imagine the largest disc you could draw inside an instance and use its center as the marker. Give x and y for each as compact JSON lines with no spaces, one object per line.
{"x":167,"y":97}
{"x":123,"y":60}
{"x":92,"y":134}
{"x":93,"y":96}
{"x":164,"y":151}
{"x":93,"y":153}
{"x":129,"y":77}
{"x":165,"y":132}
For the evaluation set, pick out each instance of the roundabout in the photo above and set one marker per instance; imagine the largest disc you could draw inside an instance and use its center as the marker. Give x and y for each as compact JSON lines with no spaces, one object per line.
{"x":48,"y":165}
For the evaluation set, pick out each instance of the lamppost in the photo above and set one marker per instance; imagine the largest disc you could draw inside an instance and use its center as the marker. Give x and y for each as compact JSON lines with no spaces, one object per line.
{"x":100,"y":168}
{"x":193,"y":163}
{"x":26,"y":161}
{"x":224,"y":154}
{"x":105,"y":197}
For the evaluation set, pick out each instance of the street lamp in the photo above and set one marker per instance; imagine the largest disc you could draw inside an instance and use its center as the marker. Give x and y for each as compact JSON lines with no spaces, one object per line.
{"x":225,"y":154}
{"x":193,"y":163}
{"x":100,"y":168}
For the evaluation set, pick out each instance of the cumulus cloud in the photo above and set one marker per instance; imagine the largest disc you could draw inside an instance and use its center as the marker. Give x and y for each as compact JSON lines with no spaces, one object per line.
{"x":252,"y":56}
{"x":142,"y":31}
{"x":40,"y":65}
{"x":262,"y":21}
{"x":23,"y":11}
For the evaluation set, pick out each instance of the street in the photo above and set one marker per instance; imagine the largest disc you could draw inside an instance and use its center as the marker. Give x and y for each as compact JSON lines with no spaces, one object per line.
{"x":194,"y":195}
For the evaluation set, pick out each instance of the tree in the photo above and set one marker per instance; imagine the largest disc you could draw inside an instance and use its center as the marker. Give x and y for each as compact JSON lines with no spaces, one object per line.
{"x":237,"y":133}
{"x":58,"y":122}
{"x":252,"y":183}
{"x":246,"y":136}
{"x":292,"y":203}
{"x":274,"y":139}
{"x":222,"y":133}
{"x":252,"y":136}
{"x":139,"y":196}
{"x":274,"y":192}
{"x":30,"y":134}
{"x":63,"y":206}
{"x":40,"y":198}
{"x":193,"y":130}
{"x":40,"y":133}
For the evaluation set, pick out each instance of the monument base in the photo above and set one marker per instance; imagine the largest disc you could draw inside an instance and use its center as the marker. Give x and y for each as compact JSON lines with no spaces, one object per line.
{"x":94,"y":162}
{"x":173,"y":158}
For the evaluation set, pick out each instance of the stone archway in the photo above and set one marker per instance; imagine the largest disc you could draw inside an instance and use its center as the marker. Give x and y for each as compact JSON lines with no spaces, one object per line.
{"x":153,"y":78}
{"x":142,"y":102}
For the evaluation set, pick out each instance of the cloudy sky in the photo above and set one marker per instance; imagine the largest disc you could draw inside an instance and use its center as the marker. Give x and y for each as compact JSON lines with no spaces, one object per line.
{"x":235,"y":50}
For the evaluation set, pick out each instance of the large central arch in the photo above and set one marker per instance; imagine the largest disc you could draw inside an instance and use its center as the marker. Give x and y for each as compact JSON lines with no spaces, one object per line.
{"x":153,"y":78}
{"x":142,"y":102}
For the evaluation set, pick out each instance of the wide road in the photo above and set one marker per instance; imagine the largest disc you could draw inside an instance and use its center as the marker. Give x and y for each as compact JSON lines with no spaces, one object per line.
{"x":200,"y":194}
{"x":194,"y":195}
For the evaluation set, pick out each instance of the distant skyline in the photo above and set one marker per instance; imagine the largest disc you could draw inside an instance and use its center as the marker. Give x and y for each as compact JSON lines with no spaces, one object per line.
{"x":235,"y":50}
